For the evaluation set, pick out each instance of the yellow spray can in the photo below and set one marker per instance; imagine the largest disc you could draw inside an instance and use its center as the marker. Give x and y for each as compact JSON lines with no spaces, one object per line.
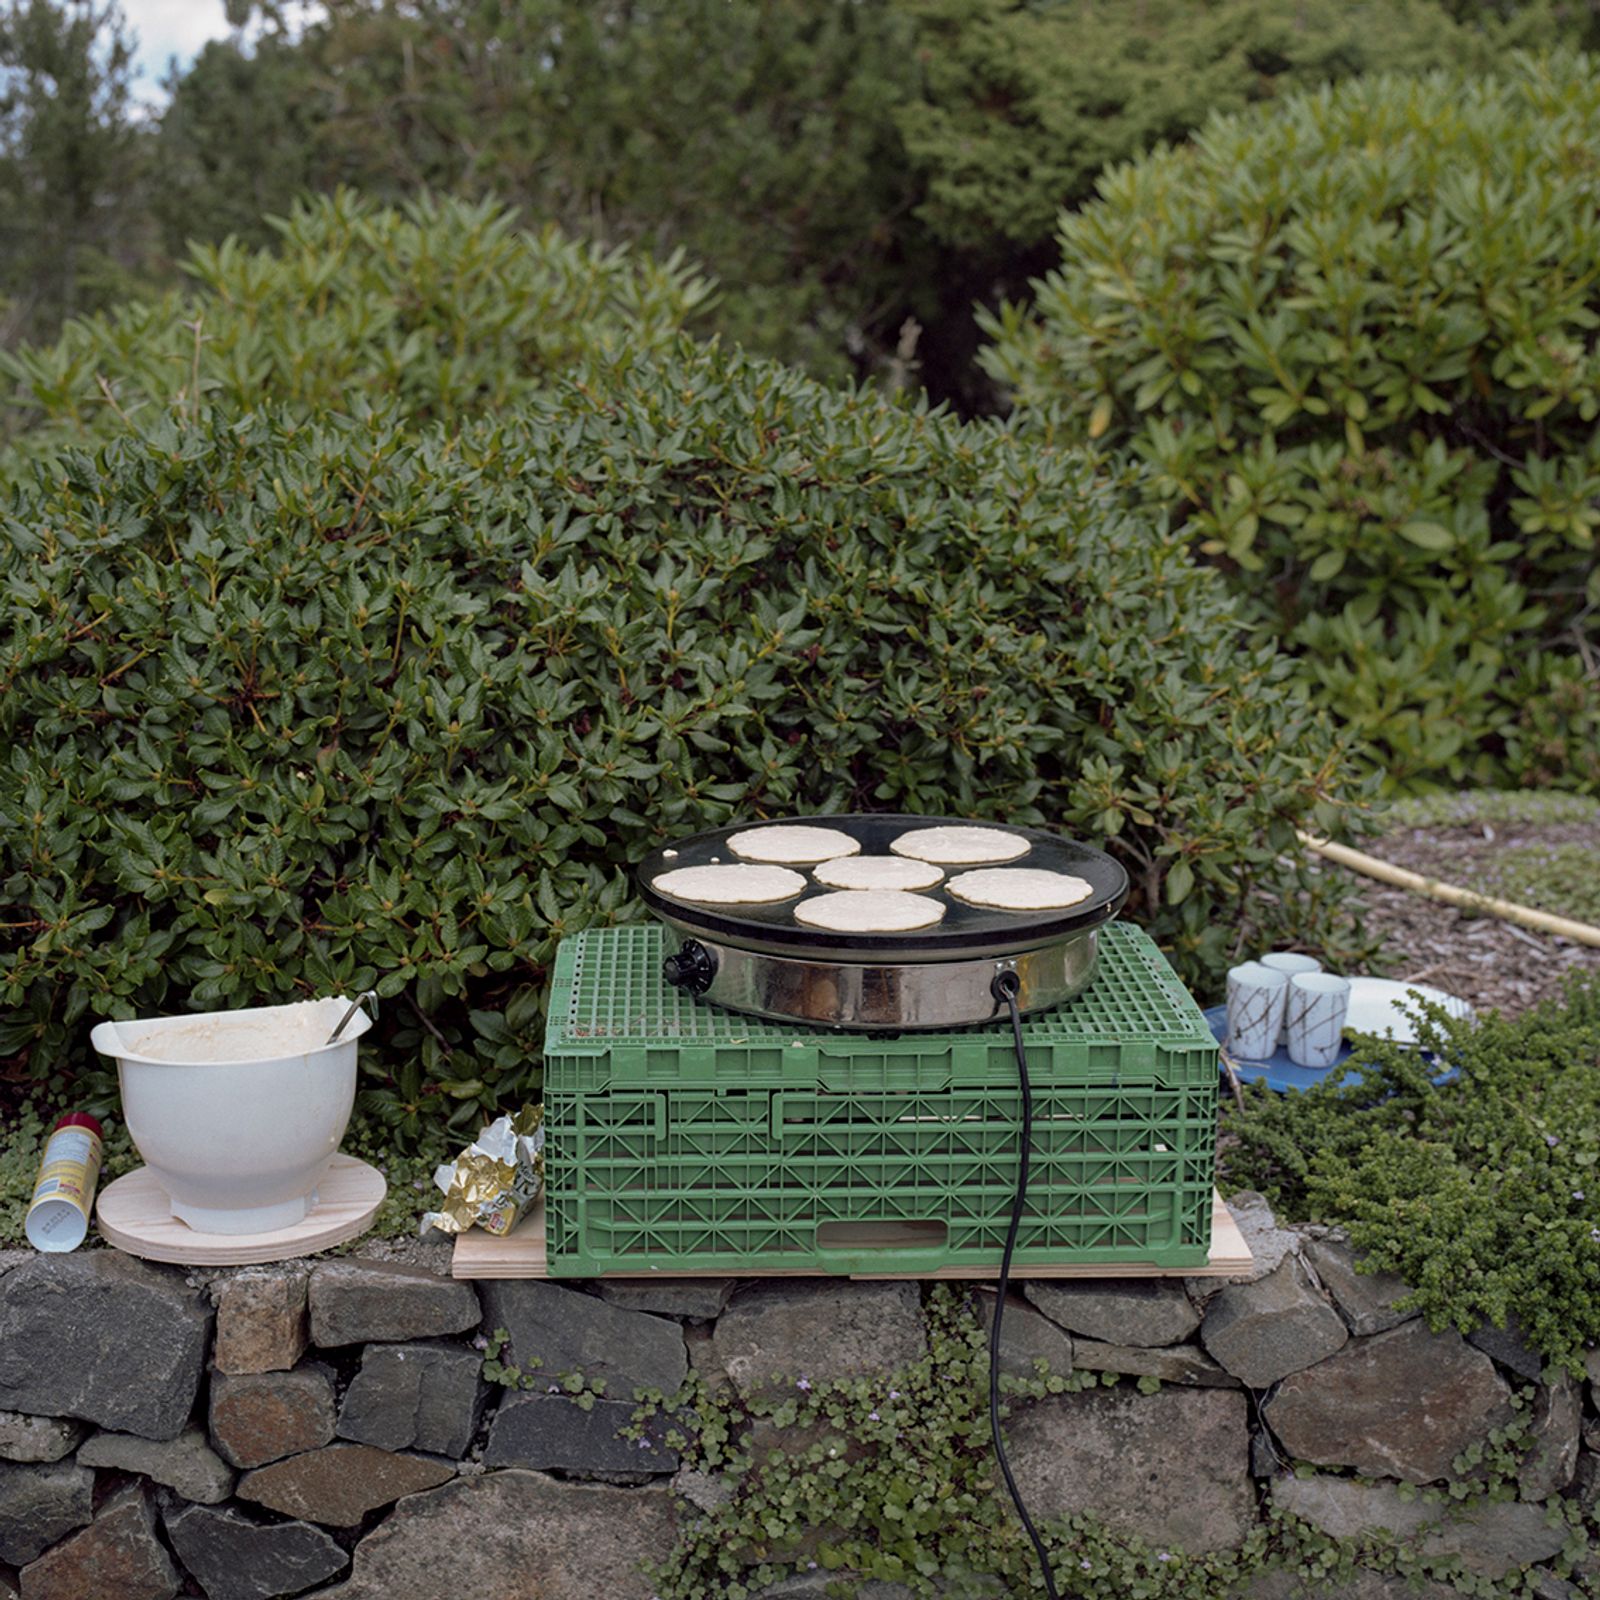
{"x":58,"y":1215}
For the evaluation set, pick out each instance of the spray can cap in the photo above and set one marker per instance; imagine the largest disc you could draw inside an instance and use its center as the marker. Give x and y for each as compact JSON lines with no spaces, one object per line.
{"x":79,"y":1119}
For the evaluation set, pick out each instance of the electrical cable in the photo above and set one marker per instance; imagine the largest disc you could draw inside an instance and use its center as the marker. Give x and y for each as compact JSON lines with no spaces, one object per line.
{"x":1006,"y":985}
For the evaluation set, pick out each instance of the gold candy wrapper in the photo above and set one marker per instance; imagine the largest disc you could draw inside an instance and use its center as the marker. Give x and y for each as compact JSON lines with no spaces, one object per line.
{"x":495,"y":1179}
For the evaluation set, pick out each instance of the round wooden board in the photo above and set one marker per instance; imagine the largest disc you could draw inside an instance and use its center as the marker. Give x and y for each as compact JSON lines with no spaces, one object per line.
{"x":135,"y":1215}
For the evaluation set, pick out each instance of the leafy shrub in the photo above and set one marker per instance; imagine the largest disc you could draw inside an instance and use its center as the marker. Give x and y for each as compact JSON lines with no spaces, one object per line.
{"x":300,"y":707}
{"x":444,"y":308}
{"x":839,"y":165}
{"x":1022,"y":106}
{"x":1480,"y":1193}
{"x":1353,"y":336}
{"x":759,"y":138}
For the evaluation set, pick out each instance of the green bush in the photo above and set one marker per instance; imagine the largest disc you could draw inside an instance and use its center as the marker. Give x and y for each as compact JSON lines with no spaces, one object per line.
{"x":759,"y":138}
{"x":855,"y":172}
{"x":1480,"y":1193}
{"x":1023,"y":105}
{"x":1353,"y":335}
{"x":294,"y":707}
{"x":443,"y":308}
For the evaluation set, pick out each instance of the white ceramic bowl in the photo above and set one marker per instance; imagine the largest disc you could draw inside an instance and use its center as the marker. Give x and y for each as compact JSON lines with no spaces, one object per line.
{"x":238,"y":1113}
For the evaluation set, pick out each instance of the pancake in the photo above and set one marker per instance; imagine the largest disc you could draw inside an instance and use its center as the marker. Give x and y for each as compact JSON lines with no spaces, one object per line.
{"x":869,"y":911}
{"x":877,"y":872}
{"x":1019,"y":889}
{"x":959,"y":847}
{"x":792,"y":844}
{"x":731,"y":885}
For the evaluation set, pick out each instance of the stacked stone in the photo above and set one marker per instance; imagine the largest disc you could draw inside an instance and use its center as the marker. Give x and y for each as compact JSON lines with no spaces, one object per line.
{"x":326,"y":1430}
{"x":1304,"y":1362}
{"x":322,"y":1430}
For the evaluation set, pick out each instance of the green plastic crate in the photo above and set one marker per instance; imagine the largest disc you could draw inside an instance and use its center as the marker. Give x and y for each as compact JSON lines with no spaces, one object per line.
{"x":686,"y":1137}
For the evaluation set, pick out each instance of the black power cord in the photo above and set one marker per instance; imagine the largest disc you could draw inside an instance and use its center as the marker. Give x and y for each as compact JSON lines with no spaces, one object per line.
{"x":1006,"y":985}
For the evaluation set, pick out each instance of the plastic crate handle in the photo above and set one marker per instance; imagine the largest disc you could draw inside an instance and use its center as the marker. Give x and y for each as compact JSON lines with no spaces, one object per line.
{"x":845,"y":1247}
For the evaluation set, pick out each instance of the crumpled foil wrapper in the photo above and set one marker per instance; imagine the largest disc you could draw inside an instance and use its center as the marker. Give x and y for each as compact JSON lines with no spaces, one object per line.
{"x":495,"y":1180}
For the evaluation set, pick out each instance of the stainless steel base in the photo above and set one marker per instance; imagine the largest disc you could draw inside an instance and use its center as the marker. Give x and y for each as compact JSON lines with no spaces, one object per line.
{"x":931,"y":994}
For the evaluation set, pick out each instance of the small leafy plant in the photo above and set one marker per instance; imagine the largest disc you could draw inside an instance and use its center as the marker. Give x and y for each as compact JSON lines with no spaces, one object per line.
{"x":889,"y":1478}
{"x":892,"y":1479}
{"x":1483,"y":1193}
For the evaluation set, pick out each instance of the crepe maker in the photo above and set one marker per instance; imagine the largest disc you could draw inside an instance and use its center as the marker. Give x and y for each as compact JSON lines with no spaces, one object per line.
{"x":758,"y":959}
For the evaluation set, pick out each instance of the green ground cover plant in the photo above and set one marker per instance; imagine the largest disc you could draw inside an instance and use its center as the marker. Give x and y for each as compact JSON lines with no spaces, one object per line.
{"x":441,"y":309}
{"x":891,"y":1478}
{"x":1481,"y":1193}
{"x":1352,"y":335}
{"x":294,"y":708}
{"x":1473,"y":807}
{"x":23,"y":1131}
{"x":1563,"y":878}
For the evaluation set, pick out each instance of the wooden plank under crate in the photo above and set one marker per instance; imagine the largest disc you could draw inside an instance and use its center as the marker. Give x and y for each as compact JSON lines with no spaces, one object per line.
{"x":522,"y":1254}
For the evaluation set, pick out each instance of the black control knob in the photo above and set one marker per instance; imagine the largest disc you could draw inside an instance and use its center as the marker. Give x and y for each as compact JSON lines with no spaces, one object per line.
{"x":692,"y":968}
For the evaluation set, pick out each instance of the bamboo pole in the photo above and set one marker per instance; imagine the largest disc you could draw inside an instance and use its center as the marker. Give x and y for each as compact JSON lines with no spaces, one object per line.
{"x":1526,"y":916}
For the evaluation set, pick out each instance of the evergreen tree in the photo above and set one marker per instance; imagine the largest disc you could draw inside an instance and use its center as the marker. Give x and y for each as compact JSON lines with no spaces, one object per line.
{"x":758,"y":136}
{"x":71,"y":216}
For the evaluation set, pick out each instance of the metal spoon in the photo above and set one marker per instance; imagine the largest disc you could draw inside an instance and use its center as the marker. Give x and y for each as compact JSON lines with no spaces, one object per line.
{"x":355,"y":1006}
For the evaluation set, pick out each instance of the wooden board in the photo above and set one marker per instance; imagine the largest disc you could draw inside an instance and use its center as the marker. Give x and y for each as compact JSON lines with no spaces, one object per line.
{"x":135,"y":1215}
{"x":522,"y":1254}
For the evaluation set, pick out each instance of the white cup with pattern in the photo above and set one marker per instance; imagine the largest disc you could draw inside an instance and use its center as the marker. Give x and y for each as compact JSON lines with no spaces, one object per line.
{"x":1290,"y":962}
{"x":1256,"y":1000}
{"x":1318,"y":1005}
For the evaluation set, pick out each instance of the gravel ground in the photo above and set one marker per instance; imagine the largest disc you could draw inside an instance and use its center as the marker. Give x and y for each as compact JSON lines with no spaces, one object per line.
{"x":1484,"y":960}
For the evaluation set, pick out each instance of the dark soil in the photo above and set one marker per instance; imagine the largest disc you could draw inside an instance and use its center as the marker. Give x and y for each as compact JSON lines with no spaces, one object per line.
{"x":1491,"y":963}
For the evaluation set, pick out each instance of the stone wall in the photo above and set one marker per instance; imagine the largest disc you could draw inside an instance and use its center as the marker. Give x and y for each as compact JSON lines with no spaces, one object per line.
{"x":326,"y":1429}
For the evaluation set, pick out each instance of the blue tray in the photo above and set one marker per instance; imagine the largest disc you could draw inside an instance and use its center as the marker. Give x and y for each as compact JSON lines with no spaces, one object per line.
{"x":1281,"y":1073}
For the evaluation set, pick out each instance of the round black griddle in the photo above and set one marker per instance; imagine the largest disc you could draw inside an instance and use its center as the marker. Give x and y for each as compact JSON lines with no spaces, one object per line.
{"x":965,"y":932}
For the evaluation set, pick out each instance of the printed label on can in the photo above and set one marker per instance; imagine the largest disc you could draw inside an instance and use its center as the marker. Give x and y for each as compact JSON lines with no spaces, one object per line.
{"x":71,"y":1144}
